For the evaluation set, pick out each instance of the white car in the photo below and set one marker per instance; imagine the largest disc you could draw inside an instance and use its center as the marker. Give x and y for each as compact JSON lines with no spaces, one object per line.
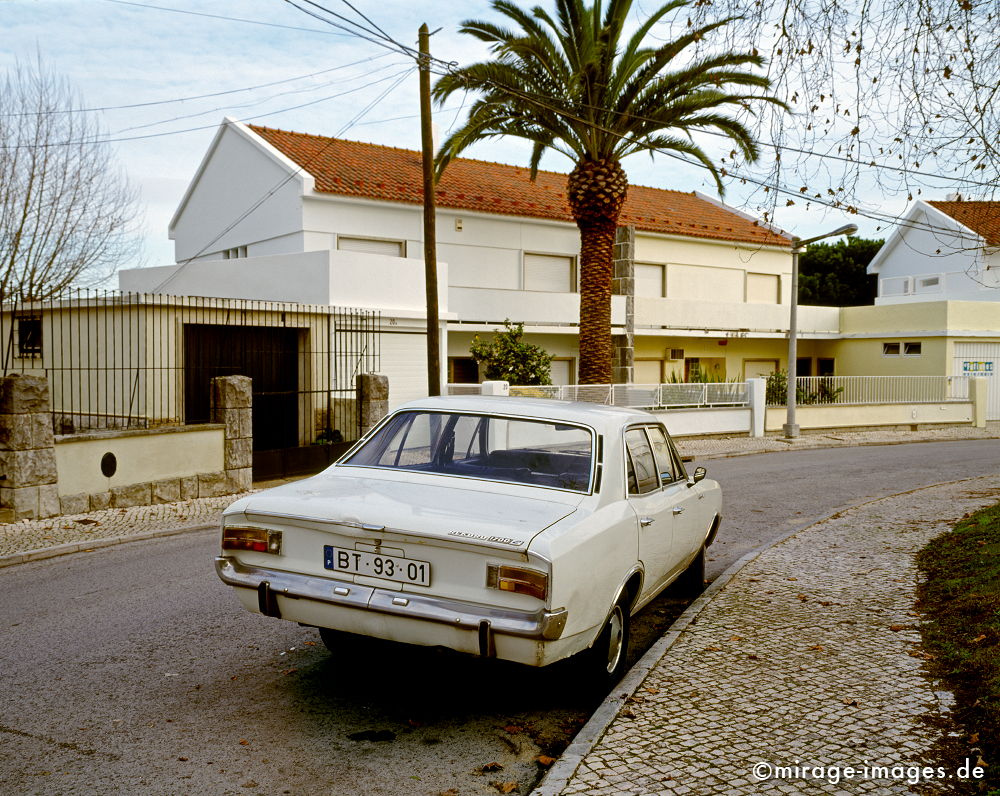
{"x":526,"y":529}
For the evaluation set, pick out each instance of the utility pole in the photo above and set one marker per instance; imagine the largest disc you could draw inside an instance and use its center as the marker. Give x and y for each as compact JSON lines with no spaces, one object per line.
{"x":430,"y":233}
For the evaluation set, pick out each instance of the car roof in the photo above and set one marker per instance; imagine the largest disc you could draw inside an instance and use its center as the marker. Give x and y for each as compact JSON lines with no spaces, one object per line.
{"x":601,"y":417}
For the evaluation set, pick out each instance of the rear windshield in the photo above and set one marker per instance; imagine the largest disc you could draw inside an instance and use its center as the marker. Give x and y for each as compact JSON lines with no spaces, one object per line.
{"x":518,"y":450}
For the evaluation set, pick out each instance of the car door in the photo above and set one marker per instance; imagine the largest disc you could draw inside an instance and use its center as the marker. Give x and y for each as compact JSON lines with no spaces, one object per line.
{"x":687,"y":501}
{"x":652,"y":507}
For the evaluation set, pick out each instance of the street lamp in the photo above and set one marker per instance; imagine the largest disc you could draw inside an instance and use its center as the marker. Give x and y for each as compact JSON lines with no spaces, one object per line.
{"x":791,"y":428}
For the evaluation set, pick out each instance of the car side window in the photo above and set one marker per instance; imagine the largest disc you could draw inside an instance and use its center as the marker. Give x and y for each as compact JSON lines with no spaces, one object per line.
{"x":666,"y":463}
{"x":643,"y":465}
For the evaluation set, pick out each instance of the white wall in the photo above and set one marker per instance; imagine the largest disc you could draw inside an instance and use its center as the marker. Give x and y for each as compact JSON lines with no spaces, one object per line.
{"x":723,"y":315}
{"x":343,"y":278}
{"x":235,"y":176}
{"x":171,"y":452}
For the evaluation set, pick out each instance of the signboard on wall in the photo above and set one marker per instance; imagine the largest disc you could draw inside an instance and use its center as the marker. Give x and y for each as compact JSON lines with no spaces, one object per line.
{"x":977,"y":368}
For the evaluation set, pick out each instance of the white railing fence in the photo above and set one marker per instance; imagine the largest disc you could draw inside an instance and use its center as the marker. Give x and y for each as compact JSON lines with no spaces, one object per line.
{"x":845,"y":390}
{"x":875,"y":390}
{"x":646,"y":396}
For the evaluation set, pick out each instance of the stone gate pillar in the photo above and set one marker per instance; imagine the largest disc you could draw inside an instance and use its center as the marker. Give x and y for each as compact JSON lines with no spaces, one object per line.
{"x":373,"y":399}
{"x":28,"y":479}
{"x":232,"y":405}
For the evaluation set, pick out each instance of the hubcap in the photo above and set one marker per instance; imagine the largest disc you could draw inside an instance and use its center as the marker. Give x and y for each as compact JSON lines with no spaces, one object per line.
{"x":615,"y":638}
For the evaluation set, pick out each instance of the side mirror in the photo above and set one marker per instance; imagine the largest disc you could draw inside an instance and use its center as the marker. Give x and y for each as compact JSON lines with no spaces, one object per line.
{"x":699,"y":474}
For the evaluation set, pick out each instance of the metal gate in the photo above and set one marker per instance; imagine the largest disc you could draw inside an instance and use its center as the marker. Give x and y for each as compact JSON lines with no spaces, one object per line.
{"x":981,"y":360}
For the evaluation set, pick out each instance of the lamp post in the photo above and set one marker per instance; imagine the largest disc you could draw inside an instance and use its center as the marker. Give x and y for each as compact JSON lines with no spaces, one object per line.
{"x":791,"y":428}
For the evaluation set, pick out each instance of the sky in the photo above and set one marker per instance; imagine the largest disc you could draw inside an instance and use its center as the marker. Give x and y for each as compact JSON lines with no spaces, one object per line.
{"x":267,"y":62}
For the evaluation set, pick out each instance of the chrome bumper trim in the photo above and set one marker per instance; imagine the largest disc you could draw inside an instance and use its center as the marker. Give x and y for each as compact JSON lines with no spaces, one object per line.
{"x":539,"y":624}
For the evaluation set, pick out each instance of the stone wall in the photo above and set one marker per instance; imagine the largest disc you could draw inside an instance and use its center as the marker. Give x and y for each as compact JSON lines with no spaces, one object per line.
{"x":28,"y":478}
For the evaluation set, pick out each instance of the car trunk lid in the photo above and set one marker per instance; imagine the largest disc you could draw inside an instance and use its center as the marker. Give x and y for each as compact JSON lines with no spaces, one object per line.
{"x":506,"y":517}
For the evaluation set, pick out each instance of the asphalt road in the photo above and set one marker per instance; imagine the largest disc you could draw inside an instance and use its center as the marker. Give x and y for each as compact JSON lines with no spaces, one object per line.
{"x":133,"y":669}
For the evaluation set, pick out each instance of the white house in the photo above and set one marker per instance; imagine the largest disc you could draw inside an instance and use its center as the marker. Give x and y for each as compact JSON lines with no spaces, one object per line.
{"x":941,"y":251}
{"x":699,"y":287}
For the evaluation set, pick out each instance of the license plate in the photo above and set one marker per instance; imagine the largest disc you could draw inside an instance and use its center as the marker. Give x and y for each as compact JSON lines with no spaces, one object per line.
{"x":377,"y":565}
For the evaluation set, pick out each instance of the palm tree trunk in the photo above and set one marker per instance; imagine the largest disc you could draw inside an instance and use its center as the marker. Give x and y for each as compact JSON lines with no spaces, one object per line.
{"x":596,"y":193}
{"x":597,"y":245}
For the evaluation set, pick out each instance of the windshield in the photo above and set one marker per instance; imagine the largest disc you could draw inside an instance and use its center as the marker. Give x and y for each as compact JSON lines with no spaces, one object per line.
{"x":518,"y":450}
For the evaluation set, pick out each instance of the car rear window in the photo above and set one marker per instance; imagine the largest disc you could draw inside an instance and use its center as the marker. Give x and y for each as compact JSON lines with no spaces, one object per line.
{"x":489,"y":447}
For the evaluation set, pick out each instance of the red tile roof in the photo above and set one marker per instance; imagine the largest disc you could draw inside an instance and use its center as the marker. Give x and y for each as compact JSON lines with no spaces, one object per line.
{"x":351,"y":168}
{"x":983,"y":218}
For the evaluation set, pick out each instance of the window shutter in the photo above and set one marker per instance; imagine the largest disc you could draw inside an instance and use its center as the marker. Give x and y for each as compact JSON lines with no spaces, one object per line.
{"x":649,"y":280}
{"x":389,"y":248}
{"x":549,"y":273}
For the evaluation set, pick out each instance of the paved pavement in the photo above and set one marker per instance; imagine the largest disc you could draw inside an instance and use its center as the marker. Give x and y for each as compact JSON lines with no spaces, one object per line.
{"x":798,"y":671}
{"x":800,"y":661}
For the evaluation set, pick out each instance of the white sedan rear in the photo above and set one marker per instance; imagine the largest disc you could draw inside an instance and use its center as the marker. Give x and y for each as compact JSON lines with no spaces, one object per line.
{"x":525,"y":529}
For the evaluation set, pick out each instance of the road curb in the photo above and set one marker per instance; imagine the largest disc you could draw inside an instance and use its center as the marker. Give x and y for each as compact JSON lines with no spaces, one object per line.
{"x":95,"y":544}
{"x":559,"y":775}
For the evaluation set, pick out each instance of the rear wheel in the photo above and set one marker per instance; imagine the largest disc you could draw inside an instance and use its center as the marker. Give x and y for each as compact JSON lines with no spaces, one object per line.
{"x":604,"y":664}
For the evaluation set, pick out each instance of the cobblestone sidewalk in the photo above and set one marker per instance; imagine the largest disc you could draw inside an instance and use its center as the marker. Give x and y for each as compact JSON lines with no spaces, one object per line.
{"x":29,"y":539}
{"x":809,"y":656}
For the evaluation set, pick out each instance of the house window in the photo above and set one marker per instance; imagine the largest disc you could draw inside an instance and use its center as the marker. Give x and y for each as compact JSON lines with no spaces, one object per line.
{"x":763,"y":289}
{"x":650,"y":280}
{"x":549,"y":273}
{"x":463,"y":370}
{"x":29,"y":337}
{"x":928,"y":284}
{"x":895,"y":286}
{"x":235,"y":253}
{"x":912,"y":349}
{"x":824,"y":366}
{"x":387,"y":248}
{"x":890,"y":349}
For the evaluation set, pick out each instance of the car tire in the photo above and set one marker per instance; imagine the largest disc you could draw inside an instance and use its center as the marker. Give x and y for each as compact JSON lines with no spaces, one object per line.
{"x":691,"y":582}
{"x":605,"y":662}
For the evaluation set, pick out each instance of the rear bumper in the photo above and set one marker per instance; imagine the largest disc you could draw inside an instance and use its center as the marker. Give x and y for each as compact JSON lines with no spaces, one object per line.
{"x":273,"y":585}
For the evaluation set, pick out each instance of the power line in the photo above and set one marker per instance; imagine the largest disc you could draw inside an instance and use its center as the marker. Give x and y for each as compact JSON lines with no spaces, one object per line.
{"x":288,"y":178}
{"x":223,"y":17}
{"x":81,"y":142}
{"x":256,"y":103}
{"x":196,"y":96}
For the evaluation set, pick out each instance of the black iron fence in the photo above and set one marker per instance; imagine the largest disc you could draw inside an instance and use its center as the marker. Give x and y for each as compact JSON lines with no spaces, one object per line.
{"x":126,"y":360}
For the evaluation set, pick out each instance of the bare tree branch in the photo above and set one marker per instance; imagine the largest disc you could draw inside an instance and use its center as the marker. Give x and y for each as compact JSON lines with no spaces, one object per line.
{"x":67,"y":212}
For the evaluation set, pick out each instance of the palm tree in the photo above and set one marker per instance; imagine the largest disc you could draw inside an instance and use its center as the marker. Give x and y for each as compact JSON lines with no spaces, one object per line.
{"x":574,"y":85}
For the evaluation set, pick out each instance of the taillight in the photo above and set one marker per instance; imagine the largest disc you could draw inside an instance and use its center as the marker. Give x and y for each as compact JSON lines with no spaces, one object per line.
{"x":259,"y":540}
{"x":518,"y":580}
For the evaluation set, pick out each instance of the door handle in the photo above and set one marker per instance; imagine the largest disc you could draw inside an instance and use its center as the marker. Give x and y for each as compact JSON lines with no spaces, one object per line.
{"x":678,"y":510}
{"x":644,"y":521}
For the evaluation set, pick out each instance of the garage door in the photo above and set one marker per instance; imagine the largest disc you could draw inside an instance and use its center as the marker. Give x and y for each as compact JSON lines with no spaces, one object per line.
{"x":981,"y":360}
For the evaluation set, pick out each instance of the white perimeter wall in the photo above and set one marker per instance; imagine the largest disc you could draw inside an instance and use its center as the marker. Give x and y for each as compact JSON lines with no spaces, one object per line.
{"x":142,"y":456}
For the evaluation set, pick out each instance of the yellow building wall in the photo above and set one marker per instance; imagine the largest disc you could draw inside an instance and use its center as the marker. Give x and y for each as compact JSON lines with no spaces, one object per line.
{"x":863,"y":357}
{"x":691,"y":264}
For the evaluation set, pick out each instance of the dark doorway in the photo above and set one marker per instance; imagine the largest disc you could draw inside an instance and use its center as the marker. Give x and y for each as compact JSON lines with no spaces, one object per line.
{"x":268,"y":355}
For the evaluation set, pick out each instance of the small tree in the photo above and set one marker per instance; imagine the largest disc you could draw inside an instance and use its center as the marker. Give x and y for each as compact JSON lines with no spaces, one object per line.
{"x":508,"y":358}
{"x":66,"y":210}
